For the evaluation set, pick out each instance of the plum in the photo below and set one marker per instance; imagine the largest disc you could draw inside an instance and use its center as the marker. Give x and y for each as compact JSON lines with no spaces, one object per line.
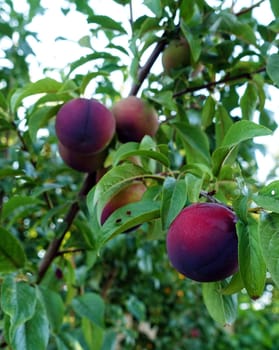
{"x":176,"y":55}
{"x":82,"y":162}
{"x":135,"y":118}
{"x":202,"y":242}
{"x":85,"y":125}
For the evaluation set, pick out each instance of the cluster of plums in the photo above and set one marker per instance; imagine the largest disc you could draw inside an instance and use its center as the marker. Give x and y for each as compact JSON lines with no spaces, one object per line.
{"x":202,"y":239}
{"x":85,"y":128}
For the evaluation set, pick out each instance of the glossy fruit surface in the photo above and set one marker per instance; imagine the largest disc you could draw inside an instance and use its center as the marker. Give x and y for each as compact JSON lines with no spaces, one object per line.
{"x":129,"y":194}
{"x":82,"y":162}
{"x":202,"y":242}
{"x":84,"y":125}
{"x":135,"y":118}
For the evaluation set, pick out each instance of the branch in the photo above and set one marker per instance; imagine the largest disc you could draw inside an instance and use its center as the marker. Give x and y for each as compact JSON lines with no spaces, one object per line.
{"x":225,"y":80}
{"x":53,"y":249}
{"x":144,"y":71}
{"x":248,"y":9}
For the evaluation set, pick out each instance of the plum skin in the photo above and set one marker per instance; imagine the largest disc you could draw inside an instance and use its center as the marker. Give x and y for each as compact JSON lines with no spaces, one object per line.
{"x":135,"y":118}
{"x":130,"y":194}
{"x":176,"y":55}
{"x":81,"y":162}
{"x":84,"y":125}
{"x":202,"y":242}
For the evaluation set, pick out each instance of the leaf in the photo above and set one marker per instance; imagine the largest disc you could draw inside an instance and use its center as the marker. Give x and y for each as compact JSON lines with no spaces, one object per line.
{"x":112,"y":182}
{"x":235,"y":285}
{"x":275,"y":7}
{"x":272,"y":68}
{"x":232,"y":25}
{"x":90,"y":306}
{"x":54,"y":307}
{"x":222,"y":124}
{"x":195,"y":142}
{"x":173,"y":200}
{"x":128,"y":217}
{"x":18,"y":203}
{"x":251,"y":263}
{"x":268,"y":197}
{"x":34,"y":333}
{"x":208,"y":112}
{"x":155,"y":6}
{"x":194,"y":43}
{"x":12,"y":255}
{"x":46,"y":85}
{"x":18,"y":300}
{"x":269,"y":239}
{"x":107,"y":23}
{"x":194,"y":186}
{"x":93,"y":334}
{"x":240,"y":131}
{"x":249,"y":101}
{"x":222,"y":308}
{"x":136,"y":308}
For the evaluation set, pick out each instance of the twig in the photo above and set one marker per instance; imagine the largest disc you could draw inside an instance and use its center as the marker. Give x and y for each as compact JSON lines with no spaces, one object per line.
{"x":248,"y":9}
{"x":144,"y":71}
{"x":227,"y":79}
{"x":54,"y":246}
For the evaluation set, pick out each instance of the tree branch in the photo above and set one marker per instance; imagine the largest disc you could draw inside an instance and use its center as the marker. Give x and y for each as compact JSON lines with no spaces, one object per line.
{"x":225,"y":80}
{"x":54,"y":246}
{"x":144,"y":71}
{"x":248,"y":9}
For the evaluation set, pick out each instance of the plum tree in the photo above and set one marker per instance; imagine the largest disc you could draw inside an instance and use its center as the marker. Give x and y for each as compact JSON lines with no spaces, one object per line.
{"x":202,"y":242}
{"x":135,"y":118}
{"x":176,"y":55}
{"x":129,"y":194}
{"x":85,"y":125}
{"x":82,"y":162}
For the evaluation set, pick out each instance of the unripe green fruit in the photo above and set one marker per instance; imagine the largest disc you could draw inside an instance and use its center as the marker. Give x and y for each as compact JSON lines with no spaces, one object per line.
{"x":85,"y":126}
{"x":202,"y":242}
{"x":82,"y":162}
{"x":176,"y":55}
{"x":135,"y":118}
{"x":130,"y":194}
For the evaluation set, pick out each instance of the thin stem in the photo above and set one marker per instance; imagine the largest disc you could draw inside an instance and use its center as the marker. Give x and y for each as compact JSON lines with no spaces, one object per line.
{"x":225,"y":80}
{"x":248,"y":9}
{"x":54,"y":246}
{"x":144,"y":71}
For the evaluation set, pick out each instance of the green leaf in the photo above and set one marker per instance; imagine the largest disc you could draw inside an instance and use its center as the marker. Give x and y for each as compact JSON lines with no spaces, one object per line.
{"x":91,"y":57}
{"x":112,"y":182}
{"x":12,"y":255}
{"x":249,"y":101}
{"x":54,"y":307}
{"x":93,"y":334}
{"x":18,"y":300}
{"x":222,"y":124}
{"x":46,"y":85}
{"x":240,"y":131}
{"x":275,"y":7}
{"x":173,"y":200}
{"x":194,"y":43}
{"x":232,"y":25}
{"x":235,"y":285}
{"x":268,"y":197}
{"x":136,"y":308}
{"x":128,"y":217}
{"x":34,"y":333}
{"x":194,"y":186}
{"x":251,"y":263}
{"x":272,"y":68}
{"x":269,"y":239}
{"x":222,"y":308}
{"x":17,"y":204}
{"x":107,"y":23}
{"x":208,"y":112}
{"x":90,"y":306}
{"x":155,"y":6}
{"x":195,"y":142}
